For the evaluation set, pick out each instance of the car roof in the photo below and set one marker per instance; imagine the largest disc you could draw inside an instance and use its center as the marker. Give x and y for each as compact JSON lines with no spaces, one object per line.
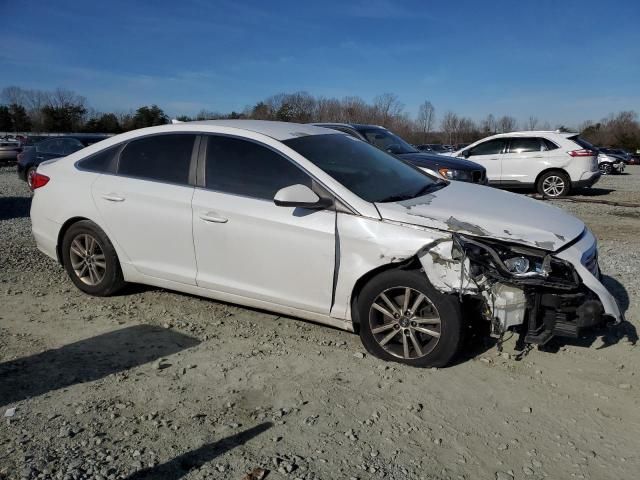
{"x":276,"y":130}
{"x":529,"y":133}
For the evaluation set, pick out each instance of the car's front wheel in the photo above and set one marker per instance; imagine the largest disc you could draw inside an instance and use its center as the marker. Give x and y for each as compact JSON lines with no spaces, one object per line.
{"x":90,"y":259}
{"x":403,"y":318}
{"x":554,"y":184}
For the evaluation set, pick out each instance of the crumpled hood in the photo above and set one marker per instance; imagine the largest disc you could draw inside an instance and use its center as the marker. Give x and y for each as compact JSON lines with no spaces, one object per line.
{"x":488,"y":212}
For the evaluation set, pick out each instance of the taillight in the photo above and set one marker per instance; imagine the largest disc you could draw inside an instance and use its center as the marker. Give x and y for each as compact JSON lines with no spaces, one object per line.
{"x":38,"y":180}
{"x":583,"y":152}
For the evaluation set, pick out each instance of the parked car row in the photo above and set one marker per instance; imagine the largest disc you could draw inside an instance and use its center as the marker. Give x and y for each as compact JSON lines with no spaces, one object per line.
{"x":47,"y":148}
{"x":447,"y":167}
{"x":316,"y":223}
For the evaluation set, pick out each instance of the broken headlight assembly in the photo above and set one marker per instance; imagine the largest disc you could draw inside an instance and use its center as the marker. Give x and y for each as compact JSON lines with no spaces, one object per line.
{"x":516,"y":264}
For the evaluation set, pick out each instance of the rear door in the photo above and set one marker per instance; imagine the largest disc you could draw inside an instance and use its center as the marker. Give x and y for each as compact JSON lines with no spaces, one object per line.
{"x":489,"y":155}
{"x":523,"y":160}
{"x":248,"y":246}
{"x":146,"y":206}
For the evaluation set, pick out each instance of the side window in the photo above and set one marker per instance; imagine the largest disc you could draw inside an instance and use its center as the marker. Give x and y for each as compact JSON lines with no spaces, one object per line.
{"x":524,"y":145}
{"x":163,"y":158}
{"x":548,"y":144}
{"x":242,"y":167}
{"x":492,"y":147}
{"x":101,"y":162}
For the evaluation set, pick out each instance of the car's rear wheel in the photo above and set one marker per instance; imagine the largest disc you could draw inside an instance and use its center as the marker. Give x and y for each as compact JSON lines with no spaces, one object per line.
{"x":90,"y":259}
{"x":403,"y":318}
{"x":554,"y":184}
{"x":605,"y":168}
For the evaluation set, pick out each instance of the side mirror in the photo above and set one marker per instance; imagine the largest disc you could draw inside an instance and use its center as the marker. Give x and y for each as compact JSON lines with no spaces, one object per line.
{"x":465,"y":153}
{"x":300,"y":196}
{"x":394,"y":148}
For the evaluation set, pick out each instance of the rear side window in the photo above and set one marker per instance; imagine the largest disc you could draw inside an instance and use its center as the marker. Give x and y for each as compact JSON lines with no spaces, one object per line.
{"x":583,"y":143}
{"x":101,"y":162}
{"x":548,"y":144}
{"x":163,"y":158}
{"x":246,"y":168}
{"x":492,"y":147}
{"x":524,"y":145}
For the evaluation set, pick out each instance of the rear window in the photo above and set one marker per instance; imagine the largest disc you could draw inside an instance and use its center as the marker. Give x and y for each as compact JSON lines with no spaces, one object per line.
{"x":524,"y":145}
{"x":163,"y":158}
{"x":583,"y":143}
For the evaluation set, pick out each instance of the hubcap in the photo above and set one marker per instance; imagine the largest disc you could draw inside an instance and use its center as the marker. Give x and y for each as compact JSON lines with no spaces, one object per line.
{"x":605,"y":169}
{"x":405,"y":323}
{"x":553,"y":186}
{"x":87,"y":259}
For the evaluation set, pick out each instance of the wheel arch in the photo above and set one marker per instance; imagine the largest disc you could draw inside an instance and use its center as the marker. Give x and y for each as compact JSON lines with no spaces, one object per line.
{"x":411,"y":263}
{"x":63,"y":230}
{"x":553,"y":169}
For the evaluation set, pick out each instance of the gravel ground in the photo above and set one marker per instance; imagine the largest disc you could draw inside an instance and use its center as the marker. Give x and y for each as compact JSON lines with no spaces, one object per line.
{"x":155,"y":384}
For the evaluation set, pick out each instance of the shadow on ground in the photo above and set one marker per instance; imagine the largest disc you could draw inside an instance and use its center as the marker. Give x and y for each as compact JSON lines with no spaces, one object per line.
{"x":87,"y":360}
{"x":14,"y":207}
{"x":180,"y":466}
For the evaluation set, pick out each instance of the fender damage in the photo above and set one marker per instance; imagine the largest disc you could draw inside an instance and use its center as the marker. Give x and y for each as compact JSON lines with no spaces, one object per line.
{"x":560,"y":295}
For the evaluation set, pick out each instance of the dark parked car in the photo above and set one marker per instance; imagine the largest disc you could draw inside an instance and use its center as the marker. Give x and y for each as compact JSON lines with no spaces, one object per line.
{"x":49,"y":148}
{"x":433,"y":148}
{"x":449,"y":167}
{"x":617,"y":152}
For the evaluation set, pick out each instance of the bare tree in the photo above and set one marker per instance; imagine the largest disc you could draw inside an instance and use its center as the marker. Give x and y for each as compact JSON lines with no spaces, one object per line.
{"x":426,"y":119}
{"x":489,"y":125}
{"x":12,"y":95}
{"x":387,"y":106}
{"x":532,"y":123}
{"x":507,"y":124}
{"x":449,"y":125}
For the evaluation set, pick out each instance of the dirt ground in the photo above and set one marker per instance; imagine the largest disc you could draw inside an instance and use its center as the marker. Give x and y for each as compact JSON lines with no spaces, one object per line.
{"x":155,"y":384}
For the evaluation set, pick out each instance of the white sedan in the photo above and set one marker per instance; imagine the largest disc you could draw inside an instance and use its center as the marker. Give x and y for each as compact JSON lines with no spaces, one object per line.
{"x":313,"y":223}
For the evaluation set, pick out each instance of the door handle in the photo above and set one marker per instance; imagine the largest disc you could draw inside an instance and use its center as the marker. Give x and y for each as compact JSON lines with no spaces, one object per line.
{"x":112,"y":197}
{"x":213,"y":217}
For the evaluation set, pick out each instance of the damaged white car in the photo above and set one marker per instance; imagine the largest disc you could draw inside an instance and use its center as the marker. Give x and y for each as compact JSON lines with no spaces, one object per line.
{"x":313,"y":223}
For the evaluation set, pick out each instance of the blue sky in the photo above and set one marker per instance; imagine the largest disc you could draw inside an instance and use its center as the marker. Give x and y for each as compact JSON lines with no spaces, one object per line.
{"x":561,"y":61}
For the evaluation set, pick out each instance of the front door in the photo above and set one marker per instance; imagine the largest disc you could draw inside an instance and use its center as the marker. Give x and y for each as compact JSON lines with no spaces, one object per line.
{"x":245,"y":244}
{"x":489,"y":155}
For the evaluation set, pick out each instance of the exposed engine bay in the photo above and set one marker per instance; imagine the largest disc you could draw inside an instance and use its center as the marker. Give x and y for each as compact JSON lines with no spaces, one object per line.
{"x":524,"y":289}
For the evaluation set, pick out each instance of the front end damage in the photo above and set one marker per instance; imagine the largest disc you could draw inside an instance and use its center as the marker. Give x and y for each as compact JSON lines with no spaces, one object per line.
{"x":532,"y":291}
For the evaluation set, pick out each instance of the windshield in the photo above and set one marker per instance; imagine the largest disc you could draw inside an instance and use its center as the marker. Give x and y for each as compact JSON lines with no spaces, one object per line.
{"x":373,"y":175}
{"x":387,"y":141}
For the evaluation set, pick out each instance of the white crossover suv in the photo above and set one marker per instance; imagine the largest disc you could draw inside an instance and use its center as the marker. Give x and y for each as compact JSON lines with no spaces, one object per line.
{"x":313,"y":223}
{"x":553,"y":163}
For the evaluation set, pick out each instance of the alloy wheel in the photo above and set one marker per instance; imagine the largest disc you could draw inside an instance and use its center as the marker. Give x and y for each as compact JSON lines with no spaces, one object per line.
{"x":605,"y":168}
{"x":553,"y":186}
{"x":405,"y":323}
{"x":87,"y":259}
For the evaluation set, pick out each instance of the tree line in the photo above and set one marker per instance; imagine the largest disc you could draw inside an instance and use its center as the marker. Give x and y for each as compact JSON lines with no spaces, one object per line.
{"x":61,"y":110}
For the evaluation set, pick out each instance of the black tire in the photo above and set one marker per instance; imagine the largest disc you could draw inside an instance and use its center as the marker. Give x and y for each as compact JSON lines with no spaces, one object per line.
{"x":606,"y":168}
{"x":447,"y":307}
{"x":542,"y":185}
{"x":112,"y":279}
